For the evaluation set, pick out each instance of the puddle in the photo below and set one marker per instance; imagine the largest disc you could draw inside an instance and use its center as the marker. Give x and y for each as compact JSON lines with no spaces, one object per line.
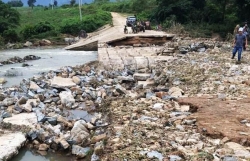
{"x":27,"y":155}
{"x":78,"y":114}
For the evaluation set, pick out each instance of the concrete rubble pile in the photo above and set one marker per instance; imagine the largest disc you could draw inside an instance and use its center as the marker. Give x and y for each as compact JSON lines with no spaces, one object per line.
{"x":137,"y":115}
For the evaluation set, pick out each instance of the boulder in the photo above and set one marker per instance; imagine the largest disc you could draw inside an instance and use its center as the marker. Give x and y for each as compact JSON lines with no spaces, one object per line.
{"x":76,"y":80}
{"x":34,"y":86}
{"x":8,"y":101}
{"x":239,"y":150}
{"x":27,"y":44}
{"x":176,"y":92}
{"x":67,"y":98}
{"x":64,"y":143}
{"x":79,"y":132}
{"x":30,"y":104}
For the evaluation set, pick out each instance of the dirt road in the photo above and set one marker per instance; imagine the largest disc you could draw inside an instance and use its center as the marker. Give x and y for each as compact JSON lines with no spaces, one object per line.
{"x":108,"y":33}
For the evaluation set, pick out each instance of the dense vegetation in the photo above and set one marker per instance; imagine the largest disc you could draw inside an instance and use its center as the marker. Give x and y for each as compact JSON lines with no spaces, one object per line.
{"x":198,"y":17}
{"x":43,"y":22}
{"x":15,"y":3}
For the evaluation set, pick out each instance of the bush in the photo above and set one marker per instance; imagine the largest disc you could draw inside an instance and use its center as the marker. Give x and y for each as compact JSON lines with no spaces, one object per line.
{"x":123,"y":7}
{"x":66,"y":6}
{"x":10,"y":35}
{"x":43,"y":27}
{"x":89,"y":23}
{"x":47,"y":34}
{"x":28,"y":31}
{"x":38,"y":30}
{"x":1,"y":41}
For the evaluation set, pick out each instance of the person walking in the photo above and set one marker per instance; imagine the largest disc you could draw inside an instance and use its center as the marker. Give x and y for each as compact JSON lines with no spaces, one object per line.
{"x":239,"y":39}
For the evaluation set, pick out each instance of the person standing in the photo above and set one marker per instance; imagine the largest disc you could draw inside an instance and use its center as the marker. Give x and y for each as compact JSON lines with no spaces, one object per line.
{"x":239,"y":40}
{"x":245,"y":32}
{"x":236,"y":29}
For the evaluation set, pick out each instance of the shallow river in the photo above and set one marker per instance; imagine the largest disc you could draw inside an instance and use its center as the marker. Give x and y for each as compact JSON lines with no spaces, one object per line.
{"x":51,"y":59}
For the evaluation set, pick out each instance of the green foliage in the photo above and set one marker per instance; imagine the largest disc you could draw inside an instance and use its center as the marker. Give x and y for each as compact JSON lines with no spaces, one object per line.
{"x":31,"y":3}
{"x":124,"y":7}
{"x":16,"y":3}
{"x":43,"y":27}
{"x":48,"y":34}
{"x":9,"y":18}
{"x":138,"y":5}
{"x":10,"y":35}
{"x":89,"y":23}
{"x":28,"y":31}
{"x":64,"y":6}
{"x":72,"y":2}
{"x":55,"y":3}
{"x":38,"y":29}
{"x":101,"y":1}
{"x":144,"y":15}
{"x":1,"y":41}
{"x":179,"y":8}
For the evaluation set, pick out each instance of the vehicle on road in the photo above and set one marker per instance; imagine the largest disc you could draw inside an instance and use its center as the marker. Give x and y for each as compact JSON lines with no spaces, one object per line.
{"x":130,"y":21}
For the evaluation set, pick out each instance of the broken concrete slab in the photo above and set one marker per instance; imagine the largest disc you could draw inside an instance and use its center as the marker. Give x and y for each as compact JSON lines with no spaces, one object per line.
{"x":10,"y":143}
{"x":28,"y":119}
{"x":62,"y":82}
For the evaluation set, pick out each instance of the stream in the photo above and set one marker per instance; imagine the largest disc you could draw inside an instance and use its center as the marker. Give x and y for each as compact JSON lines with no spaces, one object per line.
{"x":51,"y":59}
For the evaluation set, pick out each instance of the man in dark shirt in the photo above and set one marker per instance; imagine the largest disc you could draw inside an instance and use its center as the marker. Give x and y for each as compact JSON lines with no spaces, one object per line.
{"x":239,"y":40}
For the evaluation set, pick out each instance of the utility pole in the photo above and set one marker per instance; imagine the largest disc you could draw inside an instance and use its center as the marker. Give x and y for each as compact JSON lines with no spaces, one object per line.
{"x":80,"y":9}
{"x":52,"y":4}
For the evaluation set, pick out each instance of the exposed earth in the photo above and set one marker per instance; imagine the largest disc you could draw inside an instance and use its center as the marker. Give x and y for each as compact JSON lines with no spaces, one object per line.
{"x":183,"y":100}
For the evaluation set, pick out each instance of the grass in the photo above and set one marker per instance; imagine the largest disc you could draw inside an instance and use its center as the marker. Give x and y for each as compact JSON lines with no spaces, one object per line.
{"x":64,"y":20}
{"x":38,"y":14}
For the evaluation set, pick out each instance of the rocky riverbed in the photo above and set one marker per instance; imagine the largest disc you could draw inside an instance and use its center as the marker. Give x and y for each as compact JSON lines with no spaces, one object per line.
{"x":190,"y":107}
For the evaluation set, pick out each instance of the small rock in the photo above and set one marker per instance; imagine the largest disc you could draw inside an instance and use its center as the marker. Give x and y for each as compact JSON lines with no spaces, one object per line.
{"x":98,"y":138}
{"x":43,"y":147}
{"x":79,"y":151}
{"x":3,"y":80}
{"x":99,"y":147}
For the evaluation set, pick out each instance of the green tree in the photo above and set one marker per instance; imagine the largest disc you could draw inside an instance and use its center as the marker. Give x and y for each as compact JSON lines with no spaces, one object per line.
{"x":101,"y":1}
{"x":243,"y":7}
{"x":72,"y":2}
{"x":15,"y":3}
{"x":9,"y":18}
{"x":31,"y":3}
{"x":167,"y":8}
{"x":55,"y":3}
{"x":142,"y":5}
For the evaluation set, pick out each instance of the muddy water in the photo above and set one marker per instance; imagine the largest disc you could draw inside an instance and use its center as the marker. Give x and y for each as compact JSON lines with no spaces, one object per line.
{"x":28,"y":155}
{"x":51,"y":59}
